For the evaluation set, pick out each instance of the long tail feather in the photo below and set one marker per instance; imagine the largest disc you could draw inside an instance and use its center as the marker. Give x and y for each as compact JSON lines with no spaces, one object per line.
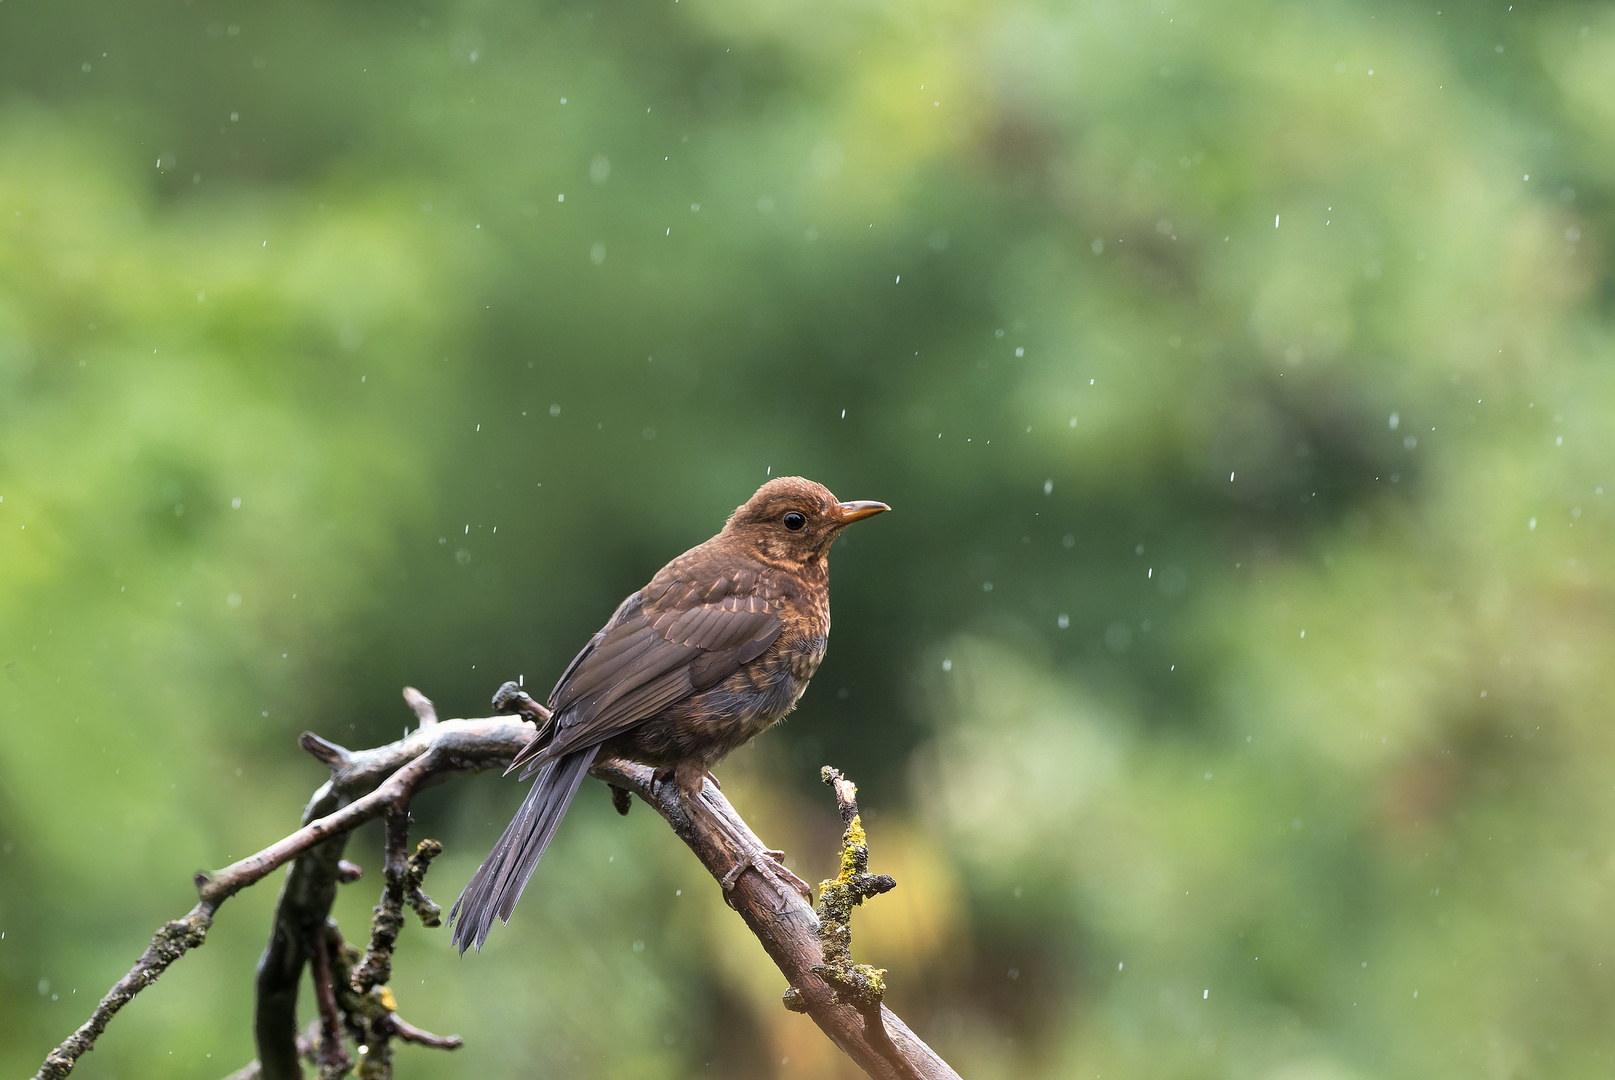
{"x":499,"y":881}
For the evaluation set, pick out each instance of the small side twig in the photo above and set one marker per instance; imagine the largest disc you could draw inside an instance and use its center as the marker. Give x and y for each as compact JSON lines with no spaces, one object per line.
{"x":403,"y":1029}
{"x":371,"y":1016}
{"x":331,"y":1054}
{"x":403,"y":886}
{"x":858,"y":985}
{"x":422,"y":706}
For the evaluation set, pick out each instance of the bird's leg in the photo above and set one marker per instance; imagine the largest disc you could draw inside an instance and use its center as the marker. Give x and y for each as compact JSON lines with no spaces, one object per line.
{"x":690,"y":778}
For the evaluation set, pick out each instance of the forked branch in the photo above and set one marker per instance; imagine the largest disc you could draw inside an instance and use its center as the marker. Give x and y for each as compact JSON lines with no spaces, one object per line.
{"x":352,"y":993}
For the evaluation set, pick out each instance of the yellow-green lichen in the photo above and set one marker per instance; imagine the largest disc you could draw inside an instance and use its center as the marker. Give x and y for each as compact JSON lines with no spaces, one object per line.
{"x":859,"y":985}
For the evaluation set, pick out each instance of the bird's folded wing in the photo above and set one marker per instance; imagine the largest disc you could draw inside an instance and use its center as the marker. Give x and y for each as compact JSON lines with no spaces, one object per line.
{"x":645,"y":660}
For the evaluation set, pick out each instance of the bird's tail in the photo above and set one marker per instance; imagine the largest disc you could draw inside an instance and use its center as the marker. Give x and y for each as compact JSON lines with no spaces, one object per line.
{"x":499,"y":881}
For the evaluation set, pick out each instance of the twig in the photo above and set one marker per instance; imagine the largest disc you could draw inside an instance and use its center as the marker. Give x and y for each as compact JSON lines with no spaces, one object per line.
{"x":404,"y":877}
{"x":859,"y":985}
{"x":785,"y":926}
{"x":331,"y":1055}
{"x":369,"y":783}
{"x":167,"y":945}
{"x":403,"y":1029}
{"x":388,"y":917}
{"x":422,"y":705}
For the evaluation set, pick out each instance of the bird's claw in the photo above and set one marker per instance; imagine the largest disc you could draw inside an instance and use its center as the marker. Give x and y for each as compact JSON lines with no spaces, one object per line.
{"x":803,"y":889}
{"x":773,"y":871}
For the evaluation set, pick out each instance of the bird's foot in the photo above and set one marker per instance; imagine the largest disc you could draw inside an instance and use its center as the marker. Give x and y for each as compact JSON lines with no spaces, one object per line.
{"x":802,"y":888}
{"x":747,"y":852}
{"x":773,"y":871}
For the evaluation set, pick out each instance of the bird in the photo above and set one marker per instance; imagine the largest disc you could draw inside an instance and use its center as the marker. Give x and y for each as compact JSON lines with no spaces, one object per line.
{"x":716,"y":649}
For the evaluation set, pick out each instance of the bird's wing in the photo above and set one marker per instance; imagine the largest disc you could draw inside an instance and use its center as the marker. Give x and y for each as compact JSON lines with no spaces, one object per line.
{"x":663,"y":644}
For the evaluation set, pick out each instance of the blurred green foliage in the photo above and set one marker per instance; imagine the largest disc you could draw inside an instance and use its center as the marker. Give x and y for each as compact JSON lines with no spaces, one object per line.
{"x":1228,"y":692}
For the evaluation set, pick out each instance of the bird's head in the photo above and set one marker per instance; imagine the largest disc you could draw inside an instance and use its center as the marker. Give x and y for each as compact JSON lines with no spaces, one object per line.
{"x":792,"y":522}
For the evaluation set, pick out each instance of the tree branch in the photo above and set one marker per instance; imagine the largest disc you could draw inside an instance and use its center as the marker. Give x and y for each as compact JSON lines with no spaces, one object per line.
{"x":370,"y":783}
{"x":785,"y":926}
{"x":167,"y":945}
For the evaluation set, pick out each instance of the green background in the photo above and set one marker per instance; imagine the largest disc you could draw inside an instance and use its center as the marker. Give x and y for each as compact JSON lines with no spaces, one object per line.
{"x":1229,"y":690}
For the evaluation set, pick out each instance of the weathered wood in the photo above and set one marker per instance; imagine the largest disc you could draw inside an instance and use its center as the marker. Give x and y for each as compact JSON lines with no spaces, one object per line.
{"x":369,"y":783}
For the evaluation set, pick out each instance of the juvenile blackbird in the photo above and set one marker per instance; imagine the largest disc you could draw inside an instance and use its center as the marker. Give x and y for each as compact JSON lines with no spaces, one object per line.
{"x":716,"y":649}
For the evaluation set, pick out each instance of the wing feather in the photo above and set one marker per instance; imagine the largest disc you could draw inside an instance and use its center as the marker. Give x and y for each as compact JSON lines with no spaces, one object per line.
{"x":664,"y":643}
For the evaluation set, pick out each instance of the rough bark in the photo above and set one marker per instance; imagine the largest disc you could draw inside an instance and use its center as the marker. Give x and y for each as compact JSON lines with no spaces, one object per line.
{"x":372,"y":783}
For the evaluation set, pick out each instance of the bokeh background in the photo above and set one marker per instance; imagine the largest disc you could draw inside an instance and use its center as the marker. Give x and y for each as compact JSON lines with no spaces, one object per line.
{"x":1229,"y":692}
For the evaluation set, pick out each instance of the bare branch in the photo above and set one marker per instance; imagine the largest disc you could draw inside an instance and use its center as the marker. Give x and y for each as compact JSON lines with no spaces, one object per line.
{"x":436,"y":753}
{"x":422,"y":705}
{"x":167,"y":945}
{"x":403,"y":1029}
{"x":330,"y":753}
{"x":785,"y":926}
{"x":403,"y":885}
{"x":369,"y":783}
{"x":332,"y":1056}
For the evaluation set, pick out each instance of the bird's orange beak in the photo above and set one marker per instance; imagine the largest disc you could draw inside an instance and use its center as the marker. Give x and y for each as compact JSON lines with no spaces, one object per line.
{"x":857,"y":511}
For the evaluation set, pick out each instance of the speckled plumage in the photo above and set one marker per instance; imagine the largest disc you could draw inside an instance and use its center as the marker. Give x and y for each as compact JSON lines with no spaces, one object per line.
{"x":716,"y":649}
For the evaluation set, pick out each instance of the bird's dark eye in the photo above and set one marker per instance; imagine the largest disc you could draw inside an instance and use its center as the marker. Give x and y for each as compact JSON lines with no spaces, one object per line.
{"x":794,"y":521}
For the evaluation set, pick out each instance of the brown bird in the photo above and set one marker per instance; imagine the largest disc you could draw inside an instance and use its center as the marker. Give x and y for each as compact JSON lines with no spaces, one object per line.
{"x":715,"y":650}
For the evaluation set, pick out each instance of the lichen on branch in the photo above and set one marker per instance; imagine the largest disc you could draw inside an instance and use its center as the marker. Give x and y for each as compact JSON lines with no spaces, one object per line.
{"x":859,"y":985}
